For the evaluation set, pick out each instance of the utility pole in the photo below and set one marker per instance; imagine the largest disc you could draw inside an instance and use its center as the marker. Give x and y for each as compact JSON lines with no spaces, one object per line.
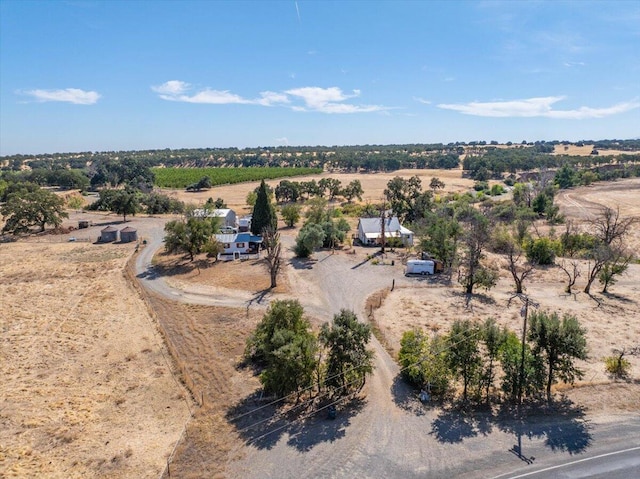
{"x":524,"y":312}
{"x":524,"y":335}
{"x":383,"y":221}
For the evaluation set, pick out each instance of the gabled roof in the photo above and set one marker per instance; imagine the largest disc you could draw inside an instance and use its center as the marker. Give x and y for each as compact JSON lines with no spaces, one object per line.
{"x":128,"y":229}
{"x":220,"y":213}
{"x":374,"y":225}
{"x":109,"y":229}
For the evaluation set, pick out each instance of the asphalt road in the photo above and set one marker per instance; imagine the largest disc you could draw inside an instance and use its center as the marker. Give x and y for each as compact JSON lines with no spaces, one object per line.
{"x":390,"y":434}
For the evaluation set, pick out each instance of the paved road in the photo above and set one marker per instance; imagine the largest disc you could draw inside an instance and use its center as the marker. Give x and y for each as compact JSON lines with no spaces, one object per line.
{"x":392,"y":435}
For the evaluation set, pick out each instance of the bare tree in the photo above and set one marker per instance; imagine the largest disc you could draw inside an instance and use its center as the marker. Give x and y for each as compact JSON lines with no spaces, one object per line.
{"x":271,"y":243}
{"x":506,"y":242}
{"x":572,"y":270}
{"x":609,"y":254}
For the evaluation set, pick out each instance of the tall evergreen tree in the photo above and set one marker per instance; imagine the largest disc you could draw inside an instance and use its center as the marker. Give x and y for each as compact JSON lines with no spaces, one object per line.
{"x":264,"y":214}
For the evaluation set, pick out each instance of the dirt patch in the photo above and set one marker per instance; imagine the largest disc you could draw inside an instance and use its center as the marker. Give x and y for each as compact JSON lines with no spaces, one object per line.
{"x":87,"y":385}
{"x":251,"y":275}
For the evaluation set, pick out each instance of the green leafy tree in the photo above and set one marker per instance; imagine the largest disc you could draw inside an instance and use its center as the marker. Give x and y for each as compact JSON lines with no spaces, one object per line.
{"x":542,"y":251}
{"x":492,"y":338}
{"x":436,"y":184}
{"x":442,"y":235}
{"x":402,"y":194}
{"x":290,"y":214}
{"x":25,"y":209}
{"x":264,"y":214}
{"x":189,"y":235}
{"x":348,"y":359}
{"x":331,"y":186}
{"x":510,"y":361}
{"x":566,"y":177}
{"x":559,"y":343}
{"x":125,"y":202}
{"x":353,"y":190}
{"x":463,"y":353}
{"x":287,"y":348}
{"x":310,"y":238}
{"x":423,"y":362}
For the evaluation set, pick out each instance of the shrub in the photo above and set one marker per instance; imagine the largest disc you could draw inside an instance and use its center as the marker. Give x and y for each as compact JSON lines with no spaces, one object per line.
{"x":617,"y":366}
{"x":542,"y":251}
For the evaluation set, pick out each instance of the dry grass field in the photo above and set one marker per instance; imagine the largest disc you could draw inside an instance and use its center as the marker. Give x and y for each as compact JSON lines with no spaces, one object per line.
{"x":87,"y":387}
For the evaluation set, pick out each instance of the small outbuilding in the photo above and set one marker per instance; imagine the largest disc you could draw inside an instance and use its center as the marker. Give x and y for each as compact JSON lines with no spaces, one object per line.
{"x":83,"y":224}
{"x":128,"y":235}
{"x":108,"y":234}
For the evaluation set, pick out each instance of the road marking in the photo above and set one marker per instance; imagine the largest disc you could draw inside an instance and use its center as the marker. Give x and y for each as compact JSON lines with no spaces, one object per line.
{"x":568,"y":463}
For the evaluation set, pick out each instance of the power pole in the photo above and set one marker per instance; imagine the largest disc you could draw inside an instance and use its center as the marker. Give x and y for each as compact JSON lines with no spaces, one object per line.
{"x":524,"y":312}
{"x":383,"y":221}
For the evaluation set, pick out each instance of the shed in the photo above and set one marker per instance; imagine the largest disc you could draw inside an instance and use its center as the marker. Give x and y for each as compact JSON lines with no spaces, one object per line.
{"x":83,"y":224}
{"x":128,"y":234}
{"x":108,"y":234}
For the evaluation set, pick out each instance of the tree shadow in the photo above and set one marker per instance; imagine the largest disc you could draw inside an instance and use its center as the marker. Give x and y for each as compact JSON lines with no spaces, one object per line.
{"x":561,"y":423}
{"x":262,"y":423}
{"x":302,"y":263}
{"x":459,"y":421}
{"x":405,"y":397}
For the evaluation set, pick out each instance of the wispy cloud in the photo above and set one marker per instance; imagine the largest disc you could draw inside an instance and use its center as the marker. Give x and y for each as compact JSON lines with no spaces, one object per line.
{"x":324,"y":100}
{"x":421,"y":100}
{"x":537,"y":107}
{"x":330,"y":100}
{"x":69,"y":95}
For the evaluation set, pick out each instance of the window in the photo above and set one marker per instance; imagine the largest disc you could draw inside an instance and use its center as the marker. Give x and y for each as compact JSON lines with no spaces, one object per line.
{"x":227,"y":246}
{"x":239,"y":245}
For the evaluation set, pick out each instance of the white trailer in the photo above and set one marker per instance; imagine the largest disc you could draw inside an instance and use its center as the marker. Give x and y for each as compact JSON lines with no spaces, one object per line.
{"x":420,"y":266}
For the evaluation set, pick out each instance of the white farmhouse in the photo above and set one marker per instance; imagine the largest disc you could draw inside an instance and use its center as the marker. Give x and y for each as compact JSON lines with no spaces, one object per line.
{"x":228,"y":216}
{"x":370,"y":231}
{"x":239,"y":246}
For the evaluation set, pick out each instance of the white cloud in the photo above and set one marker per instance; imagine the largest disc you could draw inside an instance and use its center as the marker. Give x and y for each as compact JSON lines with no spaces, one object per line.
{"x":325,"y":100}
{"x":172,"y":87}
{"x":422,"y":100}
{"x":536,"y":107}
{"x":70,"y":95}
{"x":268,"y":98}
{"x":283,"y":141}
{"x":329,"y":100}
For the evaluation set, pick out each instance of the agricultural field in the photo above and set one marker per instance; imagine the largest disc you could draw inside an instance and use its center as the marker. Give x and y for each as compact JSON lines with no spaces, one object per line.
{"x":183,"y":177}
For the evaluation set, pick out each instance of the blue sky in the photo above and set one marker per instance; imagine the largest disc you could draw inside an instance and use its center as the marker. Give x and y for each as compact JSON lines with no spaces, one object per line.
{"x":120,"y":75}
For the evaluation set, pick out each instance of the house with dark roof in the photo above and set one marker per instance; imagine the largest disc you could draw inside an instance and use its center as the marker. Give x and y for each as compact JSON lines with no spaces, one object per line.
{"x":370,"y":231}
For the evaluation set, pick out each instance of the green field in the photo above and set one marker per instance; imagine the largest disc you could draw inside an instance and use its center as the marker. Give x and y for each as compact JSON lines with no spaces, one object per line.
{"x":183,"y":177}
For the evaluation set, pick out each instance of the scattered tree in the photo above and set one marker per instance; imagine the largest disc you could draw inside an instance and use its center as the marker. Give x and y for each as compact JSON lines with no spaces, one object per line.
{"x":25,"y":209}
{"x":463,"y":354}
{"x":348,"y":360}
{"x":285,"y":345}
{"x":290,"y":214}
{"x":558,"y":343}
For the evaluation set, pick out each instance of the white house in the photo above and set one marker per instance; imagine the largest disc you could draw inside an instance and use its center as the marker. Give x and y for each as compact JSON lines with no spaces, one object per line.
{"x":370,"y":231}
{"x":227,"y":215}
{"x":239,"y":246}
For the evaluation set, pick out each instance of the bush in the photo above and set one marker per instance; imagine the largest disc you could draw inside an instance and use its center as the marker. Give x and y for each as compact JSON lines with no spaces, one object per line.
{"x":542,"y":251}
{"x":617,"y":366}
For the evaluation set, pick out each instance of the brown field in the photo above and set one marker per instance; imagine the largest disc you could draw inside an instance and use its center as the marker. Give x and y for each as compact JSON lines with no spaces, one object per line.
{"x":372,"y":183}
{"x":88,"y":390}
{"x":87,"y":384}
